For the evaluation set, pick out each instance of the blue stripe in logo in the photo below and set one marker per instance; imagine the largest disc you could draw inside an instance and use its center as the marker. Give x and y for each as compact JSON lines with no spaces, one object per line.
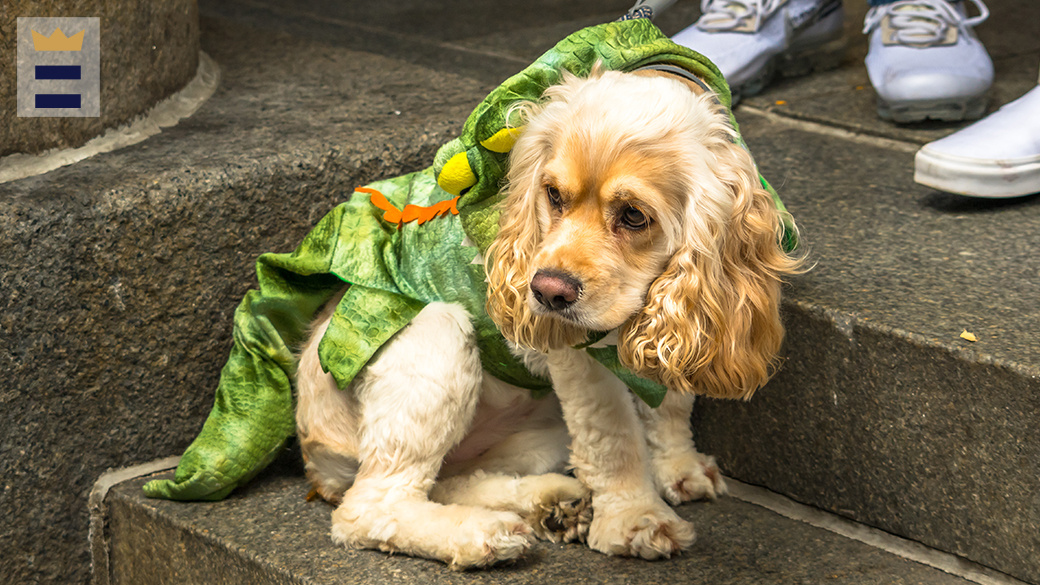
{"x":58,"y":100}
{"x":58,"y":72}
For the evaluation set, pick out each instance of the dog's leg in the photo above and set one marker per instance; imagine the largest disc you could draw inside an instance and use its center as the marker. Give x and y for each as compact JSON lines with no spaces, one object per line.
{"x":520,"y":474}
{"x":417,"y":397}
{"x":680,"y":472}
{"x":609,"y":453}
{"x":326,"y":419}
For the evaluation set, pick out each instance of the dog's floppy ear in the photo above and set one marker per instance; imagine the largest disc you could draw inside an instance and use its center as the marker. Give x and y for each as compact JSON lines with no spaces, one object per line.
{"x":711,"y":324}
{"x":508,"y":258}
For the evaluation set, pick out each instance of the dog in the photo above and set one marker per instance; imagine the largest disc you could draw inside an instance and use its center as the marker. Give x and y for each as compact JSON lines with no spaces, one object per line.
{"x":632,"y":209}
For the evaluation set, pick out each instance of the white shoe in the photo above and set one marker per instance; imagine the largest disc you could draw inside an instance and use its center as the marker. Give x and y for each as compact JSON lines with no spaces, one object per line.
{"x":925,"y":61}
{"x":750,"y":40}
{"x":998,"y":156}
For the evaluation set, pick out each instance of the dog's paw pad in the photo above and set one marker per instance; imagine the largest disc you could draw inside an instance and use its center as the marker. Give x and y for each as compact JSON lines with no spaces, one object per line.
{"x":559,"y":507}
{"x":563,"y":521}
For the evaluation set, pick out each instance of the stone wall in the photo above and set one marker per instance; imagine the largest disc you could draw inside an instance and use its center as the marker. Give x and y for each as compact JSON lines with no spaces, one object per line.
{"x":119,"y":274}
{"x":149,"y":50}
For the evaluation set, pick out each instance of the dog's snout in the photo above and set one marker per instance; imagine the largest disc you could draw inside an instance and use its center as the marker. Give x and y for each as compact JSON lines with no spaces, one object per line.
{"x":555,"y":290}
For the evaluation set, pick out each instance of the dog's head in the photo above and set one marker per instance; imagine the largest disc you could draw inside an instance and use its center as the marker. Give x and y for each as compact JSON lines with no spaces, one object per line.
{"x":629,"y":206}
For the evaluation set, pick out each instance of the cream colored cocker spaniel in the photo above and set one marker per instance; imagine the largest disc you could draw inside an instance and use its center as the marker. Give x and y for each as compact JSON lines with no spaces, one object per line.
{"x":630,"y":209}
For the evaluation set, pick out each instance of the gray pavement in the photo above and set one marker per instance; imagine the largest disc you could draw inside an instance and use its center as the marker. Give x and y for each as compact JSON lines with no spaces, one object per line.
{"x":269,"y":533}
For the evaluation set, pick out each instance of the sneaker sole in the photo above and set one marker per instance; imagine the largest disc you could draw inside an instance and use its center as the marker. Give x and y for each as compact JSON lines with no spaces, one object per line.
{"x":794,"y":62}
{"x":977,"y":179}
{"x":942,"y":110}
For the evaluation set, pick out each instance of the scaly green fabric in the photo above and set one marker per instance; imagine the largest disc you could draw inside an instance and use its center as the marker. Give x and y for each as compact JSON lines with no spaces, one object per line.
{"x":393,"y":272}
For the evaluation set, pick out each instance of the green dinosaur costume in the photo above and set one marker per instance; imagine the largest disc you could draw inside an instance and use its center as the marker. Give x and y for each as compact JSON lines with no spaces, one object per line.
{"x":395,"y":267}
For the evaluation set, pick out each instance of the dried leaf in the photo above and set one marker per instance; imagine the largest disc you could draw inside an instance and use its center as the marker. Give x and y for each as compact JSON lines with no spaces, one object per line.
{"x":968,"y":335}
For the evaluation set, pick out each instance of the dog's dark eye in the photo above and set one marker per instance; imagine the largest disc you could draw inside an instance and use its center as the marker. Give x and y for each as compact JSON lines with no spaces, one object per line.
{"x":554,"y":197}
{"x":633,"y":219}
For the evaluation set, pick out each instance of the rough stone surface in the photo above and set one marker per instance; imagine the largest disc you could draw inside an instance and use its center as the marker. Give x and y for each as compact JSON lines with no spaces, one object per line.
{"x":269,"y":534}
{"x":886,"y":250}
{"x":895,"y":433}
{"x":119,"y":275}
{"x":481,"y":39}
{"x":882,"y":412}
{"x":484,"y":39}
{"x":149,"y":50}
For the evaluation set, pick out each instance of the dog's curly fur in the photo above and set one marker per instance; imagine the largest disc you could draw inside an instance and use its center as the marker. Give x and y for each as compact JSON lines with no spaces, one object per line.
{"x":631,"y":204}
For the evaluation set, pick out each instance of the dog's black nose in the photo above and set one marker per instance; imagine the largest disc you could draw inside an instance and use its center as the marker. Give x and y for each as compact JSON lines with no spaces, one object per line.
{"x":555,"y":290}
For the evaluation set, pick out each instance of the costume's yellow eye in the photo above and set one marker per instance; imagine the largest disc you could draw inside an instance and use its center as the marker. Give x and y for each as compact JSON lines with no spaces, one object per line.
{"x":457,"y":176}
{"x":503,"y":140}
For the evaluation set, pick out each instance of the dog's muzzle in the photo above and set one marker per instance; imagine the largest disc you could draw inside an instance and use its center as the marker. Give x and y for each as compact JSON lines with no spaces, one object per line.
{"x":555,"y":290}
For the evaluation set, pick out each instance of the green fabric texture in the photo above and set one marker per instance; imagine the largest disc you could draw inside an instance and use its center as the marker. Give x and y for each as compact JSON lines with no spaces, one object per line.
{"x":621,"y":46}
{"x":394,"y":271}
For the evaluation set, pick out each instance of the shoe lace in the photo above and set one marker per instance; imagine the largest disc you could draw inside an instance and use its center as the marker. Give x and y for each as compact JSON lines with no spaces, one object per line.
{"x":723,"y":15}
{"x":921,"y":22}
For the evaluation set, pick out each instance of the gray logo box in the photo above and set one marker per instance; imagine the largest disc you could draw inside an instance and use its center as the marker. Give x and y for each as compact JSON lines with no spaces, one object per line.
{"x":56,"y":93}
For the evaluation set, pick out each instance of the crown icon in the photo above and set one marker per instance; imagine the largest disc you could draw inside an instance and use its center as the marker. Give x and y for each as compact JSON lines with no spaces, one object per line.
{"x":58,"y":41}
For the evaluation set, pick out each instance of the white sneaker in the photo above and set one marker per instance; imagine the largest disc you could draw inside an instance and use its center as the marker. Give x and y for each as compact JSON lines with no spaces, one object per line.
{"x":750,"y":40}
{"x":925,"y":61}
{"x":998,"y":156}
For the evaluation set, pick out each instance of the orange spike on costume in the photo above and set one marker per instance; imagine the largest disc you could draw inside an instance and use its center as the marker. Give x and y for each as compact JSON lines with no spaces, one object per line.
{"x":392,"y":214}
{"x":425,"y":214}
{"x":416,"y":213}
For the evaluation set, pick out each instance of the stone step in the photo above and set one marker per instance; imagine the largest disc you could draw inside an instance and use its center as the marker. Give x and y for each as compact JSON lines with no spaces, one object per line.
{"x":268,"y":533}
{"x":880,"y":411}
{"x":119,"y":274}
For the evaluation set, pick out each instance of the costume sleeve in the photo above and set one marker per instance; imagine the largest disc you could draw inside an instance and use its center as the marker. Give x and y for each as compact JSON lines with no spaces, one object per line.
{"x":252,"y":413}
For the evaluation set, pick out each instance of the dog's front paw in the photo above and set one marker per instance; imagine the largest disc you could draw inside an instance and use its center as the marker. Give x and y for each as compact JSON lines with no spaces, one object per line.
{"x":688,"y":475}
{"x":483,"y":538}
{"x":643,"y":527}
{"x":505,"y":540}
{"x":461,"y":536}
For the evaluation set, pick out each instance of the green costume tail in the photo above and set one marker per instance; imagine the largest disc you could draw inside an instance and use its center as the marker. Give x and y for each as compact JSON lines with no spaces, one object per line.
{"x":252,"y":414}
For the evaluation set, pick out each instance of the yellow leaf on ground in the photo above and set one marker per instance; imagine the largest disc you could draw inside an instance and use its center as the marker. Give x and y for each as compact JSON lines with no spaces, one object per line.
{"x":968,"y":335}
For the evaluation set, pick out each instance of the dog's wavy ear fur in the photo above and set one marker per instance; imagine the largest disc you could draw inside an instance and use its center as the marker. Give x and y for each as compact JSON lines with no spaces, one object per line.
{"x":508,"y":259}
{"x":711,"y":324}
